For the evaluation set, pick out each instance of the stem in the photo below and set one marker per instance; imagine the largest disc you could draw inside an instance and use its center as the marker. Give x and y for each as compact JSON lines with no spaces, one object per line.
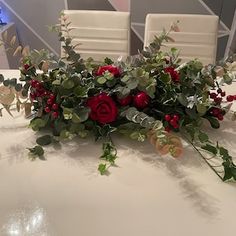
{"x":203,"y":157}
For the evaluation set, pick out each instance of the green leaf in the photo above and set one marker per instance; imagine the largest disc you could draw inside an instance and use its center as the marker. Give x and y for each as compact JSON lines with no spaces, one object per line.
{"x":201,"y":109}
{"x":1,"y":78}
{"x":6,"y":83}
{"x":102,"y":168}
{"x":56,"y":82}
{"x":101,"y":80}
{"x":81,"y":91}
{"x":67,"y":113}
{"x":165,"y":78}
{"x":203,"y":137}
{"x":18,"y":87}
{"x":65,"y":134}
{"x":44,"y":140}
{"x":75,"y":118}
{"x":37,"y":151}
{"x":68,"y":84}
{"x":214,"y":122}
{"x":37,"y":124}
{"x":125,"y":78}
{"x":132,"y":84}
{"x":13,"y":82}
{"x":209,"y":81}
{"x":82,"y":113}
{"x":124,"y":91}
{"x":182,"y":99}
{"x":76,"y":127}
{"x":210,"y":149}
{"x":151,"y":89}
{"x":228,"y":174}
{"x":108,"y":61}
{"x":227,"y":79}
{"x":109,"y":152}
{"x":233,"y":172}
{"x":224,"y":152}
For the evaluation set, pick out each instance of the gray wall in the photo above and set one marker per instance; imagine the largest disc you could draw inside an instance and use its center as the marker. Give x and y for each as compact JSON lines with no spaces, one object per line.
{"x":32,"y":16}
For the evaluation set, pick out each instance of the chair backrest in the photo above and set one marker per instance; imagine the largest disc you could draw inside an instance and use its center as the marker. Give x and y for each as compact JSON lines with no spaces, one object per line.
{"x":100,"y":33}
{"x":197,"y":37}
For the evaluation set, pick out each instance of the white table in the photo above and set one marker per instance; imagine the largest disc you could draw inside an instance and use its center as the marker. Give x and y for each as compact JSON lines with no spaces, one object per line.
{"x":146,"y":195}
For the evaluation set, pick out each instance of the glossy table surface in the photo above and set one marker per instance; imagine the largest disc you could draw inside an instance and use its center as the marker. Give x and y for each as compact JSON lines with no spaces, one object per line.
{"x":146,"y":195}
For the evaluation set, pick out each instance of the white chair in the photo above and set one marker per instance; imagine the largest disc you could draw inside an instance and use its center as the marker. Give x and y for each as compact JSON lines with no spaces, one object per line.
{"x":100,"y":33}
{"x":197,"y":37}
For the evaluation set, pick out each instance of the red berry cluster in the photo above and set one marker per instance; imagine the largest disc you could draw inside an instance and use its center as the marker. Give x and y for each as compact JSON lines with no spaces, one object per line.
{"x":52,"y":107}
{"x":38,"y":91}
{"x":218,"y":96}
{"x":218,"y":113}
{"x":173,"y":121}
{"x":231,"y":98}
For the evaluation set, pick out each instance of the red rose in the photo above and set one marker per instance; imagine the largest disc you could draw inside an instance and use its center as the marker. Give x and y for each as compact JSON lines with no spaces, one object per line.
{"x":141,"y":100}
{"x":173,"y":73}
{"x":125,"y":101}
{"x":103,"y":108}
{"x":112,"y":69}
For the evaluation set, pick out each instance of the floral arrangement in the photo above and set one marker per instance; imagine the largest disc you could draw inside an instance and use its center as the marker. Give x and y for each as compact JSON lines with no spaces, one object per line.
{"x":149,"y":96}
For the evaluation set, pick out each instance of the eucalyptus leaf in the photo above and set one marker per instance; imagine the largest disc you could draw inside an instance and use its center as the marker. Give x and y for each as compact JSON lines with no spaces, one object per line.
{"x":37,"y":124}
{"x":1,"y":78}
{"x":44,"y":140}
{"x":101,"y":80}
{"x":202,"y":109}
{"x":68,"y":84}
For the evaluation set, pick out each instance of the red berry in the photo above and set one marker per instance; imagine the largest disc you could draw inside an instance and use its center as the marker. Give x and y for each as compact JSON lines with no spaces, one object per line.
{"x":52,"y":96}
{"x":218,"y":100}
{"x":222,"y":94}
{"x":220,"y":117}
{"x":213,"y":95}
{"x":167,"y":117}
{"x":38,"y":94}
{"x":173,"y":123}
{"x":55,"y":107}
{"x":45,"y":93}
{"x":55,"y":114}
{"x":230,"y":98}
{"x":47,"y":109}
{"x":38,"y":85}
{"x":176,"y":117}
{"x":33,"y":83}
{"x":176,"y":126}
{"x":234,"y":97}
{"x":167,"y":129}
{"x":49,"y":101}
